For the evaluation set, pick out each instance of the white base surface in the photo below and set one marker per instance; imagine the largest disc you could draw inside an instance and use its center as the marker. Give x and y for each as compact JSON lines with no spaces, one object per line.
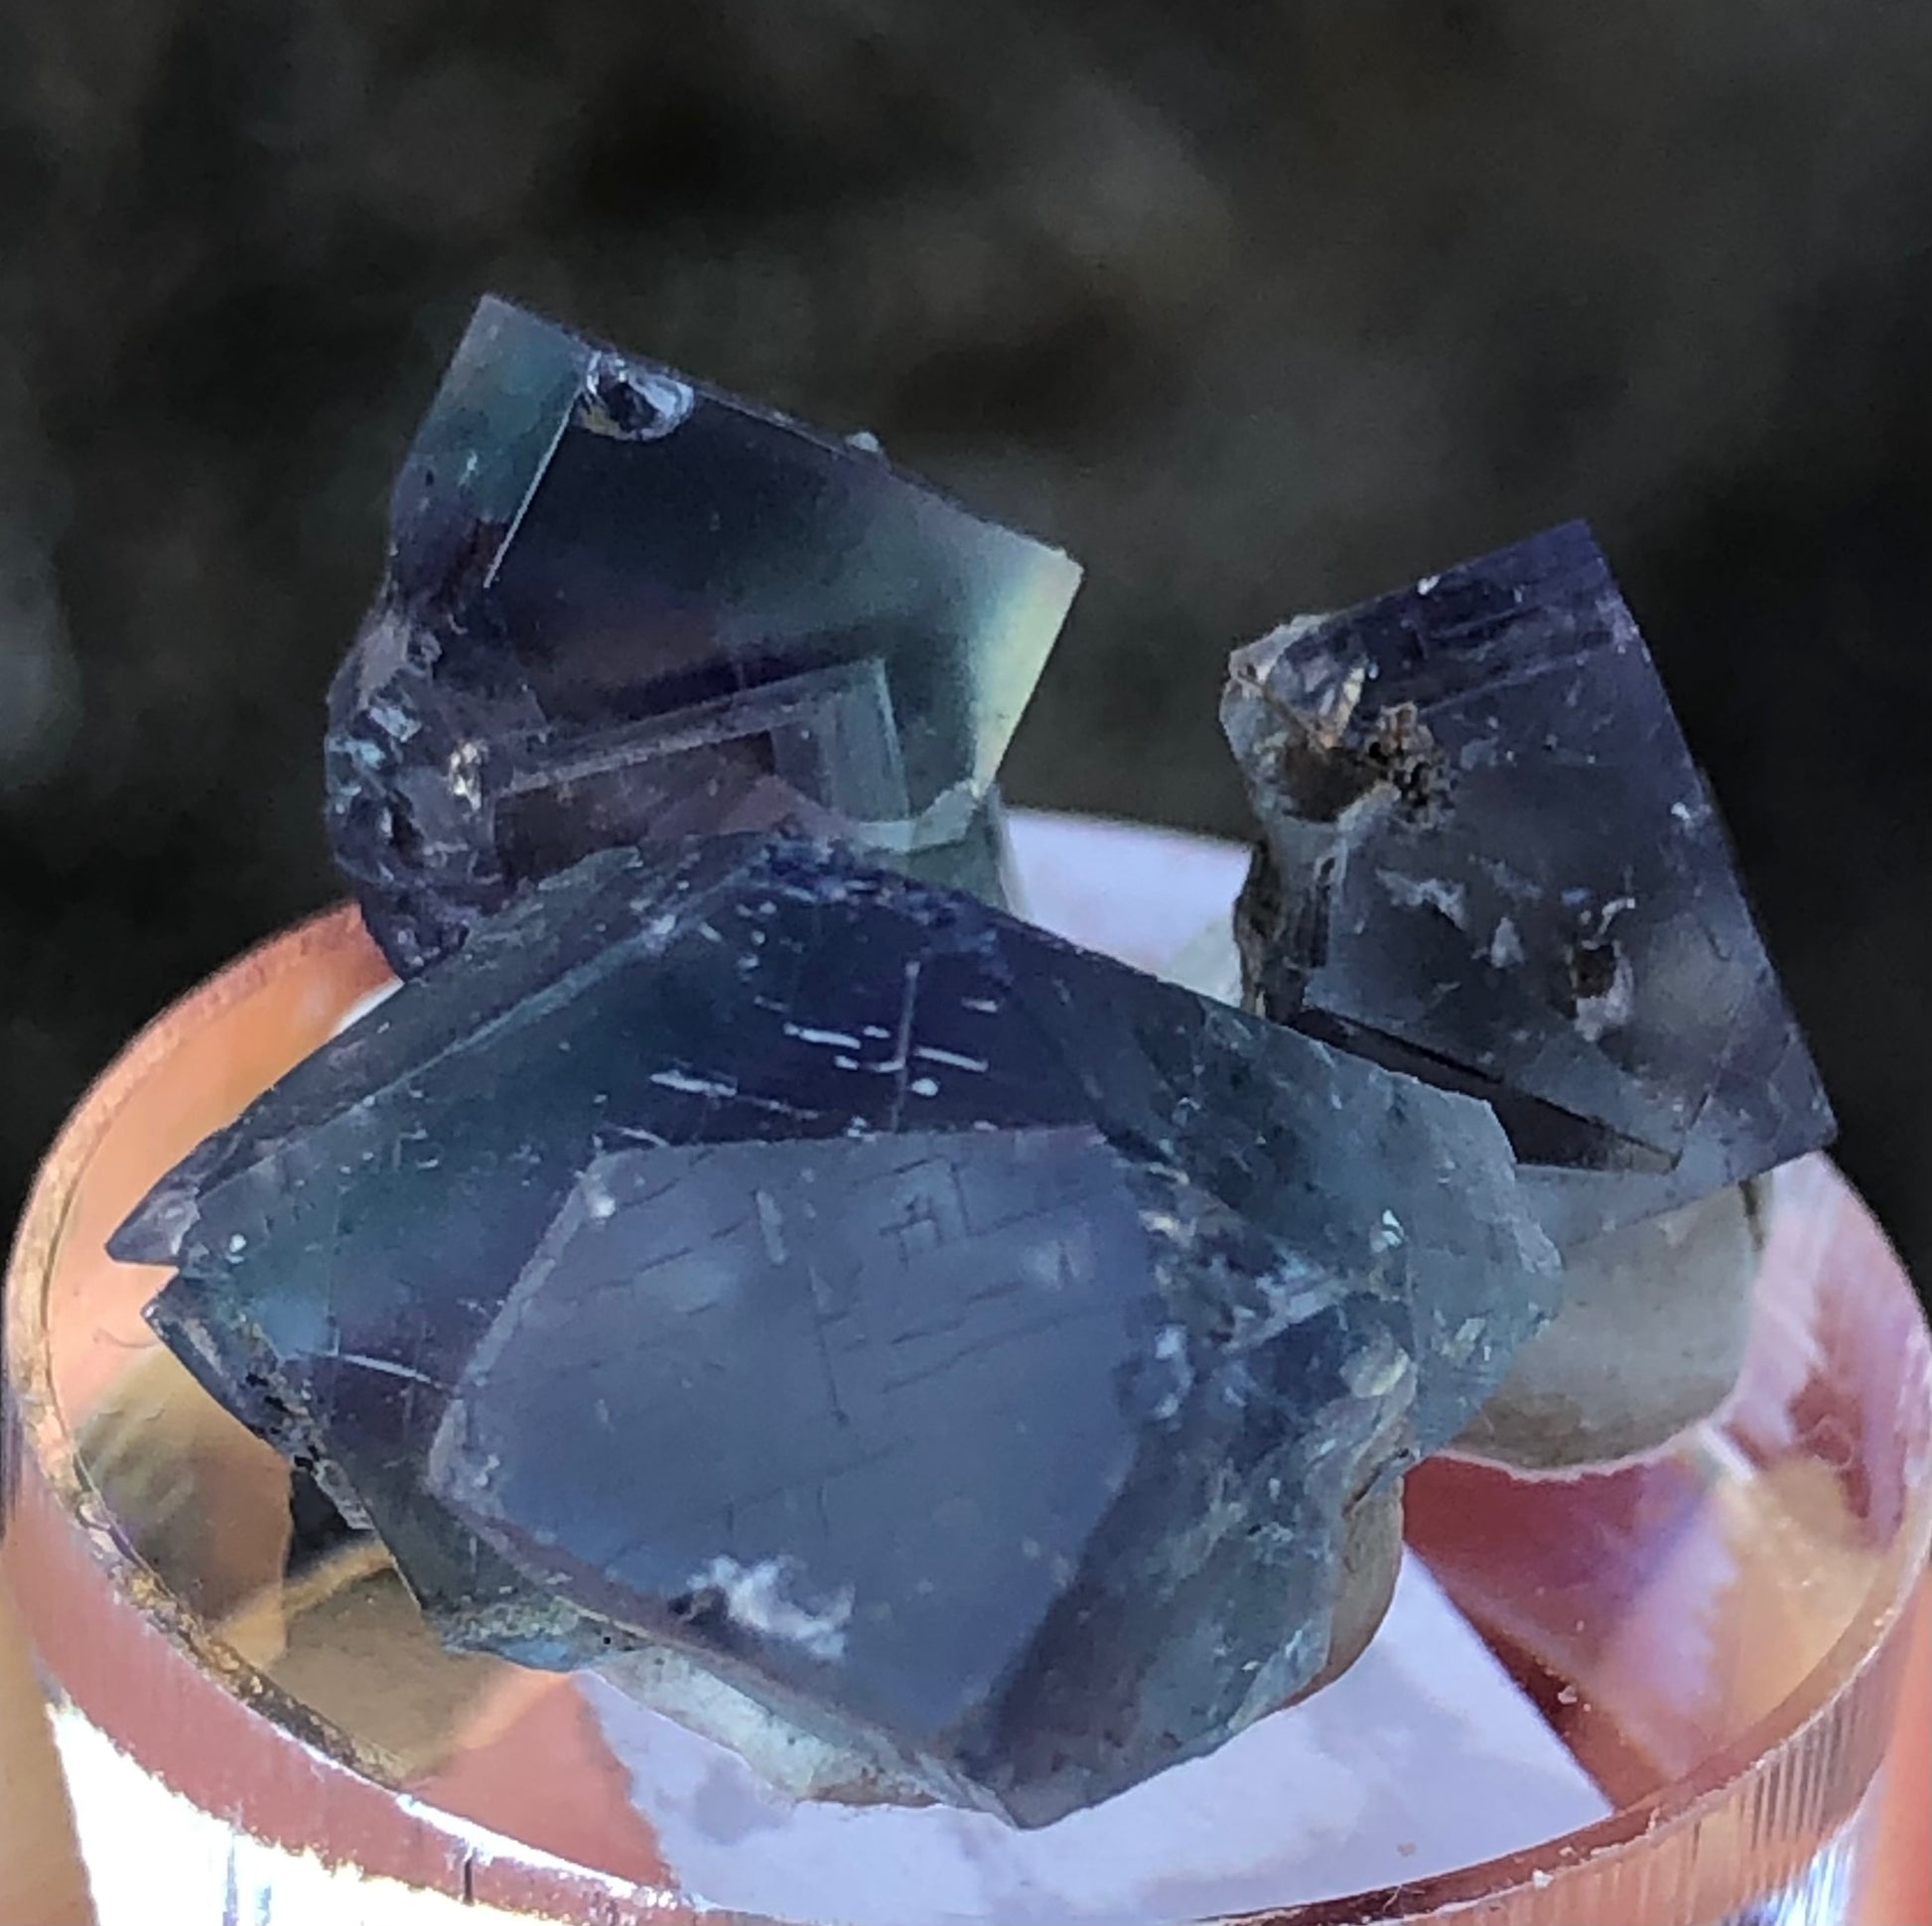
{"x":1423,"y":1757}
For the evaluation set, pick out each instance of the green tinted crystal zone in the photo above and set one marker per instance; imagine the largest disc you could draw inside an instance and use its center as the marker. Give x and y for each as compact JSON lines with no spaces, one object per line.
{"x":621,"y":605}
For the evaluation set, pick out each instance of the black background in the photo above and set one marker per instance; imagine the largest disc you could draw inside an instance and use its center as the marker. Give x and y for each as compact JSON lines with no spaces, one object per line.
{"x":1255,"y":308}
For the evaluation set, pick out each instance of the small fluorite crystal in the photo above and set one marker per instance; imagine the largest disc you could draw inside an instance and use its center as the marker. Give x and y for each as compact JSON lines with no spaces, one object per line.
{"x":971,"y":1352}
{"x":622,"y":605}
{"x":1489,"y":860}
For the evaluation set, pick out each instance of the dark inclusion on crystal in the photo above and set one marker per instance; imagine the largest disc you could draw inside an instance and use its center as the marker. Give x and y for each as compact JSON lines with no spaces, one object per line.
{"x":969,"y":1351}
{"x":621,"y":606}
{"x":1489,"y":860}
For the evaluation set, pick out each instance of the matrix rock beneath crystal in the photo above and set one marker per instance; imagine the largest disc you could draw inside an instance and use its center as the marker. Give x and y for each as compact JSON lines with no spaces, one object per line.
{"x":970,"y":1351}
{"x":1488,"y":859}
{"x":621,"y":606}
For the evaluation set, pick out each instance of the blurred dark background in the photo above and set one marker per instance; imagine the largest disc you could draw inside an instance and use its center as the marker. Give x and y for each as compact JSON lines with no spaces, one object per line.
{"x":1254,"y":307}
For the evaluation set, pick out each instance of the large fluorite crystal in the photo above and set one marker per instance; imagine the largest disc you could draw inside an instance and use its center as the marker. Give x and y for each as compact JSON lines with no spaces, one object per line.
{"x":970,"y":1351}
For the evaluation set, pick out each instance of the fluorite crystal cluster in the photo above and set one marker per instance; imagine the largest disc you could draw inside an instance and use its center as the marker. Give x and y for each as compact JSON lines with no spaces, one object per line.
{"x":743,"y":1257}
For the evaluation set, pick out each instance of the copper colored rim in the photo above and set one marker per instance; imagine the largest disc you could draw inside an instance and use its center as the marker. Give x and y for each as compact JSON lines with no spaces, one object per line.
{"x":139,"y":1666}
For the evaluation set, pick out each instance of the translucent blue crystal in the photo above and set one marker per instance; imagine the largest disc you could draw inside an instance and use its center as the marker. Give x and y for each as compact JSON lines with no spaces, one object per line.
{"x":622,"y":605}
{"x":968,"y":1349}
{"x":1488,"y":859}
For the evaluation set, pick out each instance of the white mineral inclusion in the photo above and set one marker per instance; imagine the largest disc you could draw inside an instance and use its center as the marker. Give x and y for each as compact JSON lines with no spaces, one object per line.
{"x":1423,"y":1757}
{"x":763,"y":1598}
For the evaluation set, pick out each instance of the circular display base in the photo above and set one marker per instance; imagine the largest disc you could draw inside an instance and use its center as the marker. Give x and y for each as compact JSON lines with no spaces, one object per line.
{"x":1657,"y":1693}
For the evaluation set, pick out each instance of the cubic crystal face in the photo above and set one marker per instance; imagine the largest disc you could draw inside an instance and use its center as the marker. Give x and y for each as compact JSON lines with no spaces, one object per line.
{"x":1488,"y":859}
{"x":621,"y":605}
{"x":968,"y":1350}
